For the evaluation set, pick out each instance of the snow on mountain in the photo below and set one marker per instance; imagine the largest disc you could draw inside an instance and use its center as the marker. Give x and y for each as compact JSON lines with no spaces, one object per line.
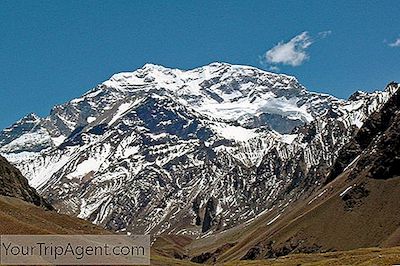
{"x":165,"y":150}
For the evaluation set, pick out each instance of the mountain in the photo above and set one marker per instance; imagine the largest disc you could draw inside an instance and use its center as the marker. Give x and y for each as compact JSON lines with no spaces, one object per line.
{"x":192,"y":153}
{"x":357,"y":207}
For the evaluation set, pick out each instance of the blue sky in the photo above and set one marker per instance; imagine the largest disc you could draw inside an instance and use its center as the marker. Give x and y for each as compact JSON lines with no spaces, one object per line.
{"x":53,"y":51}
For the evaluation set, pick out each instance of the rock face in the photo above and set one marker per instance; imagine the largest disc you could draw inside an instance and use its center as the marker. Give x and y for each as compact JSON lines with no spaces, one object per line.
{"x":380,"y":131}
{"x":192,"y":152}
{"x":13,"y":184}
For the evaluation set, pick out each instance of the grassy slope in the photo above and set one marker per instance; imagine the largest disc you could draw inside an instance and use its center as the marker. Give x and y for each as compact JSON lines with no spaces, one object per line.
{"x":20,"y":217}
{"x":367,"y":256}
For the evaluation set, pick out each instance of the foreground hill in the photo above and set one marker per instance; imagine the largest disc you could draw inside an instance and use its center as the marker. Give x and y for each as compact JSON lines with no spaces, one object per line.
{"x":20,"y":217}
{"x":23,"y":211}
{"x":13,"y":184}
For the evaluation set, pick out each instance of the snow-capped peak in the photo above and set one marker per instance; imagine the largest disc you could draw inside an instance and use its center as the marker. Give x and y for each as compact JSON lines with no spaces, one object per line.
{"x":30,"y":117}
{"x":222,"y":90}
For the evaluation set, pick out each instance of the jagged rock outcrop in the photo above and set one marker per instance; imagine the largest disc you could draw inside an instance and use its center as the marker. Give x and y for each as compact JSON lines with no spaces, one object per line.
{"x":13,"y":184}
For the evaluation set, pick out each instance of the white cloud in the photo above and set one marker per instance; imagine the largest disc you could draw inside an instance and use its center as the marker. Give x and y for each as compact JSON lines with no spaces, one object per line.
{"x":292,"y":52}
{"x":324,"y":34}
{"x":396,"y":43}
